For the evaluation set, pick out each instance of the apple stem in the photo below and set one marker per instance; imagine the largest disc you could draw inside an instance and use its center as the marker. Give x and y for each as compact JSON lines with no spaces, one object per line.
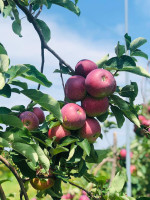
{"x":13,"y":170}
{"x":2,"y":194}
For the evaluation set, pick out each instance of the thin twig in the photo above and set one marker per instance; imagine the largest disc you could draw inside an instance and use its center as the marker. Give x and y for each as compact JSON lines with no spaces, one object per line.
{"x":2,"y":194}
{"x":40,"y":10}
{"x":12,"y":169}
{"x":115,"y":72}
{"x":32,"y":20}
{"x":62,"y":80}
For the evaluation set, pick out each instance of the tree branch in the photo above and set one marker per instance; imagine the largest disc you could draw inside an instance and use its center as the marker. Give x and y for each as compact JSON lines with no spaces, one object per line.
{"x":32,"y":20}
{"x":12,"y":169}
{"x":2,"y":194}
{"x":62,"y":80}
{"x":40,"y":10}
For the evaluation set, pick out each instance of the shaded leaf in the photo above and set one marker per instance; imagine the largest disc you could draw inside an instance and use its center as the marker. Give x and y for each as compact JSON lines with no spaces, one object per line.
{"x":16,"y":27}
{"x":6,"y":91}
{"x":4,"y":110}
{"x":18,"y":83}
{"x":119,"y":50}
{"x":140,"y":53}
{"x":127,"y":40}
{"x":85,"y":145}
{"x":44,"y":29}
{"x":4,"y":142}
{"x":16,"y":70}
{"x":118,"y":115}
{"x":11,"y":120}
{"x":2,"y":49}
{"x":58,"y":150}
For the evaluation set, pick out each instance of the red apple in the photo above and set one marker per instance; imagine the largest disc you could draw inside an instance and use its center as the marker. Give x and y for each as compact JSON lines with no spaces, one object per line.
{"x":84,"y":67}
{"x":84,"y":193}
{"x":73,"y":116}
{"x":58,"y":131}
{"x":100,"y":83}
{"x":42,"y":184}
{"x":29,"y":120}
{"x":67,"y":196}
{"x":40,"y":114}
{"x":145,"y":122}
{"x":91,"y":130}
{"x":148,"y":109}
{"x":141,"y":118}
{"x":133,"y":169}
{"x":84,"y":197}
{"x":75,"y":88}
{"x":123,"y":153}
{"x":95,"y":107}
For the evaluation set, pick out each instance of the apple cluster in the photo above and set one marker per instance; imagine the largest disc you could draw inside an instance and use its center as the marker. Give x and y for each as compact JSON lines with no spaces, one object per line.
{"x":31,"y":120}
{"x":90,"y":86}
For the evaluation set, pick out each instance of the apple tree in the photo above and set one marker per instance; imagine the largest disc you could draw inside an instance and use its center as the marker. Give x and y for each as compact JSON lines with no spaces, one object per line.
{"x":45,"y":151}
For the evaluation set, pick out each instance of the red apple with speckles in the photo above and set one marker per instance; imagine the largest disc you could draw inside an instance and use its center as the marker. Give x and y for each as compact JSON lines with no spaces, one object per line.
{"x":39,"y":113}
{"x":42,"y":184}
{"x":100,"y":83}
{"x":84,"y":197}
{"x":75,"y":88}
{"x":73,"y":116}
{"x":84,"y":67}
{"x":29,"y":120}
{"x":58,"y":131}
{"x":95,"y":107}
{"x":91,"y":130}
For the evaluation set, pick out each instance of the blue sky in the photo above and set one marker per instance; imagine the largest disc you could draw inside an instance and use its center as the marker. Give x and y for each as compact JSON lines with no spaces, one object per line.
{"x":91,"y":35}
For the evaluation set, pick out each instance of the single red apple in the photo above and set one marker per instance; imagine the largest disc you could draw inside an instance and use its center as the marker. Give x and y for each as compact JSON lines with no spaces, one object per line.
{"x":91,"y":130}
{"x":73,"y":116}
{"x":84,"y":197}
{"x":84,"y":67}
{"x":100,"y":83}
{"x":133,"y":169}
{"x":42,"y":184}
{"x":29,"y":120}
{"x":123,"y":153}
{"x":84,"y":193}
{"x":145,"y":122}
{"x":75,"y":88}
{"x":58,"y":131}
{"x":67,"y":196}
{"x":95,"y":107}
{"x":141,"y":118}
{"x":39,"y":113}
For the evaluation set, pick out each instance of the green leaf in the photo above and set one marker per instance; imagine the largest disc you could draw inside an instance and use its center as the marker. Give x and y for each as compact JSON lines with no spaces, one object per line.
{"x":45,"y":101}
{"x":4,"y":110}
{"x":2,"y":49}
{"x":90,"y":178}
{"x":26,"y":150}
{"x":137,"y":43}
{"x":34,"y":75}
{"x":4,"y":142}
{"x":118,"y":115}
{"x":16,"y":70}
{"x":103,"y":117}
{"x":7,"y":11}
{"x":102,"y":62}
{"x":130,"y":91}
{"x":18,"y":83}
{"x":4,"y":62}
{"x":2,"y":81}
{"x":15,"y":135}
{"x":16,"y":26}
{"x":20,"y":108}
{"x":3,"y":181}
{"x":64,"y":70}
{"x":11,"y":120}
{"x":72,"y":151}
{"x":67,"y":4}
{"x":119,"y":63}
{"x":16,"y":90}
{"x":44,"y":29}
{"x":58,"y":150}
{"x":127,"y":40}
{"x":68,"y":140}
{"x":119,"y":50}
{"x":118,"y":182}
{"x":140,"y":53}
{"x":123,"y":105}
{"x":85,"y":145}
{"x":43,"y":160}
{"x":1,"y":5}
{"x":101,"y":154}
{"x":6,"y":91}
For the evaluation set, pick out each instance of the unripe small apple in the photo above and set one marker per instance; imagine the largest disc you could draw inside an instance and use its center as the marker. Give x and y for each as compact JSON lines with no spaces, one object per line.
{"x":73,"y":116}
{"x":39,"y":113}
{"x":133,"y":169}
{"x":84,"y":67}
{"x":58,"y":131}
{"x":95,"y":107}
{"x":100,"y":83}
{"x":123,"y":153}
{"x":29,"y":120}
{"x":75,"y":88}
{"x":91,"y":130}
{"x":84,"y":197}
{"x":42,"y":184}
